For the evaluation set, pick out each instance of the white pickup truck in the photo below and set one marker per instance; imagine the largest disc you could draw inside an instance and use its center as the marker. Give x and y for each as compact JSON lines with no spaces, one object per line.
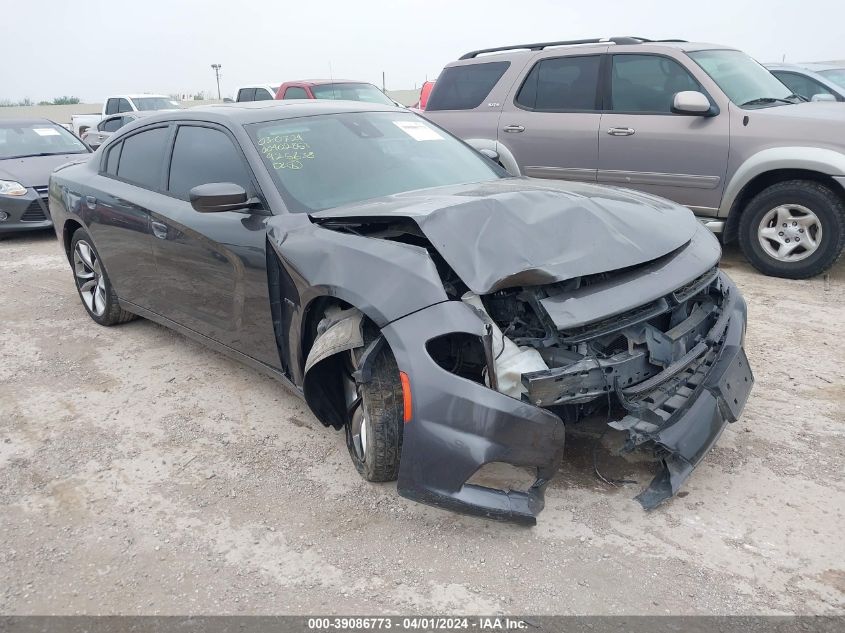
{"x":122,"y":103}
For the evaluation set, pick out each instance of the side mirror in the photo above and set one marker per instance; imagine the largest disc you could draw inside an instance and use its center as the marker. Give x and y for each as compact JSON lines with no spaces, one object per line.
{"x":218,"y":196}
{"x":489,"y":153}
{"x":691,"y":102}
{"x":823,"y":96}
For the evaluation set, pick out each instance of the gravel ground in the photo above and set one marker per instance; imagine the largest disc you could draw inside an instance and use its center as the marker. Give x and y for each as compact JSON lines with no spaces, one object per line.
{"x":141,"y":473}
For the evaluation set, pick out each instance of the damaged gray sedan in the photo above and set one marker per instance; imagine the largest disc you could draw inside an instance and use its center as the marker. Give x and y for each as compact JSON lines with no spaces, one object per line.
{"x":440,"y":313}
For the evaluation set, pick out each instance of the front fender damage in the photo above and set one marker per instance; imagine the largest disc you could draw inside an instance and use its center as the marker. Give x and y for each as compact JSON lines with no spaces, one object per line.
{"x":458,"y":426}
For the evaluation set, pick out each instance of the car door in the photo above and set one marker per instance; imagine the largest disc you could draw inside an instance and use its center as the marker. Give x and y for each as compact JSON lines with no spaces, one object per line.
{"x":645,"y":146}
{"x":550,"y":122}
{"x":118,"y":211}
{"x":212,"y":267}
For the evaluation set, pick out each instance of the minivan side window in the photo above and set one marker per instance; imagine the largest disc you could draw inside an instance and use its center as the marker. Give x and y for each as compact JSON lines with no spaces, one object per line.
{"x":561,"y":84}
{"x":465,"y":87}
{"x":202,"y":155}
{"x":295,"y":92}
{"x":647,"y":83}
{"x":140,"y":161}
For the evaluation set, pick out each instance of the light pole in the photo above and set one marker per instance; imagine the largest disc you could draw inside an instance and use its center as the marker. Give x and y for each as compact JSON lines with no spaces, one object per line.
{"x":217,"y":68}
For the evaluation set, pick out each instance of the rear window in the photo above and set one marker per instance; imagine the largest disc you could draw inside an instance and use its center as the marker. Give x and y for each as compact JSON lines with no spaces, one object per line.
{"x":465,"y":87}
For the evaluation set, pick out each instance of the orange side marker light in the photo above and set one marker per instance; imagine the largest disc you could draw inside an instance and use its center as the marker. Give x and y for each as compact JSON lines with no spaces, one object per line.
{"x":406,"y":397}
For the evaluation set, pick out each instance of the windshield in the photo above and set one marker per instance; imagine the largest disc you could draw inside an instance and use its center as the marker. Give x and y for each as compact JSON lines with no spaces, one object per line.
{"x":836,"y":75}
{"x":37,"y":139}
{"x":744,"y":80}
{"x":351,"y":92}
{"x":156,"y":103}
{"x":320,"y":162}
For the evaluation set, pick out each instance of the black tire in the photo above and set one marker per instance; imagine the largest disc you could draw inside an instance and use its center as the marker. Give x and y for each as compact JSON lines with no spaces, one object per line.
{"x":818,"y":198}
{"x":112,"y":313}
{"x":382,"y":402}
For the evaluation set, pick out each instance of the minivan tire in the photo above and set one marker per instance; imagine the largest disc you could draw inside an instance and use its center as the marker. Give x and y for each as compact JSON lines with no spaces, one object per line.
{"x":815,"y":197}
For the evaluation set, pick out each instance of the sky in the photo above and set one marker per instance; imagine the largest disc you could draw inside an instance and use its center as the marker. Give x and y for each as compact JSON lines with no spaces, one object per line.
{"x":94,"y":48}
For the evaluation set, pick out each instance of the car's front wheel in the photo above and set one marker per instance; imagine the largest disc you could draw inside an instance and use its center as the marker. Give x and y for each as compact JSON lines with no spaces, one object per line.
{"x":92,"y":282}
{"x":375,"y":426}
{"x":793,"y":229}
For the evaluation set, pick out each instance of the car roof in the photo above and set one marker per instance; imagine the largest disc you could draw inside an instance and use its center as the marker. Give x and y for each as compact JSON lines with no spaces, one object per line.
{"x":25,"y":122}
{"x":320,"y":82}
{"x":242,"y":113}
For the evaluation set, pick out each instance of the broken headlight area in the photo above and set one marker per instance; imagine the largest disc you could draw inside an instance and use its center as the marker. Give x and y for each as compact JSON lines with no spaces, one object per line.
{"x":652,"y":362}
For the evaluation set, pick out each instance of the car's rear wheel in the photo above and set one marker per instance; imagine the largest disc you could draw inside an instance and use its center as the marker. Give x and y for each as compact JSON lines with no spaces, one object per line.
{"x":374,"y":429}
{"x":793,"y":229}
{"x":92,"y":282}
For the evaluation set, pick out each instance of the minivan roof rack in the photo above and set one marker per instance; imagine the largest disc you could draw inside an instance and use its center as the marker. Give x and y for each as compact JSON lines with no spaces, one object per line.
{"x":538,"y":46}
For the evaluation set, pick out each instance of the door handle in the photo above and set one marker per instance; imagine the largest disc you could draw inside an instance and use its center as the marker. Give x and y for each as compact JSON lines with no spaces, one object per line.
{"x":91,"y":202}
{"x":514,"y":128}
{"x":159,"y":230}
{"x":621,"y":131}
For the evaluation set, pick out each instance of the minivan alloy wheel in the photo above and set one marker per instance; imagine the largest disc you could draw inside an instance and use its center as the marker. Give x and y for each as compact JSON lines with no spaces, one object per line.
{"x":789,"y":232}
{"x":89,"y":278}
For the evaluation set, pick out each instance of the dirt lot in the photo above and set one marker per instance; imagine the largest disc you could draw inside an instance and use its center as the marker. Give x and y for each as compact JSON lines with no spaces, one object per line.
{"x":141,"y":473}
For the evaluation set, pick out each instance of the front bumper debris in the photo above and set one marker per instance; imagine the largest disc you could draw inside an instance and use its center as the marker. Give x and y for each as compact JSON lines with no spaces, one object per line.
{"x":685,"y":416}
{"x":458,"y":425}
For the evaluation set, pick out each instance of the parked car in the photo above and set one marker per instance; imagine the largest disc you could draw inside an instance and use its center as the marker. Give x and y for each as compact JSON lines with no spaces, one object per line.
{"x":425,"y":92}
{"x":108,"y":126}
{"x":258,"y":92}
{"x":29,"y":150}
{"x":441,"y":313}
{"x":700,"y":124}
{"x":344,"y":89}
{"x":814,"y":82}
{"x":121,"y":104}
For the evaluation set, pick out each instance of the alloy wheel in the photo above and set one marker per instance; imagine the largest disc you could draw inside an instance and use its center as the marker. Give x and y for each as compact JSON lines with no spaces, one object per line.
{"x":89,"y":278}
{"x":789,"y":233}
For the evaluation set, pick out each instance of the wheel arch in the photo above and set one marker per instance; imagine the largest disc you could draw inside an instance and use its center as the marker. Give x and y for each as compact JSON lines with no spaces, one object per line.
{"x":764,"y":179}
{"x":70,"y":227}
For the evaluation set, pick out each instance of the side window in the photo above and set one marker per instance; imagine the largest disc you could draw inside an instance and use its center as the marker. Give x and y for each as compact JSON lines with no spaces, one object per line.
{"x":112,"y":159}
{"x":246,"y":94}
{"x":561,"y":84}
{"x":647,"y":83}
{"x":202,"y":155}
{"x":142,"y":156}
{"x":262,"y":94}
{"x":111,"y":106}
{"x":124,"y":106}
{"x":465,"y":87}
{"x":112,"y":125}
{"x":295,"y":92}
{"x":801,"y":85}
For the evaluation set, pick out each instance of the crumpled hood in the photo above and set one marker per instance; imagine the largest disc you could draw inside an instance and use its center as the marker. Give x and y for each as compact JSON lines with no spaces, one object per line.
{"x":521,"y":231}
{"x":34,"y":171}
